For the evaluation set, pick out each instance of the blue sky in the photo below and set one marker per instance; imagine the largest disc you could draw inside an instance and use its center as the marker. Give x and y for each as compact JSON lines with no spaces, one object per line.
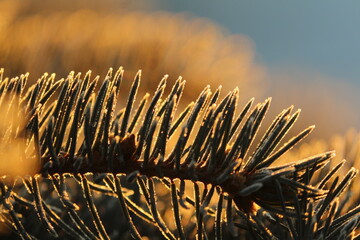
{"x":310,"y":48}
{"x":321,"y":36}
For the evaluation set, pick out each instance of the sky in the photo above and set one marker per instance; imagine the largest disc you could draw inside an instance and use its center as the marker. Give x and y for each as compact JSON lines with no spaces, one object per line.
{"x":311,"y":50}
{"x":319,"y":36}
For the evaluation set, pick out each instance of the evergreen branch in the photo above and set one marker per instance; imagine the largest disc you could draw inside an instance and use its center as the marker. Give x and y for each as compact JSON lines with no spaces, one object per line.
{"x":80,"y":134}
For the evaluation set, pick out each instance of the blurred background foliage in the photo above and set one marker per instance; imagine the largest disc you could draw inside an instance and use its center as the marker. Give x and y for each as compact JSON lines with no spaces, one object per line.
{"x":60,"y":37}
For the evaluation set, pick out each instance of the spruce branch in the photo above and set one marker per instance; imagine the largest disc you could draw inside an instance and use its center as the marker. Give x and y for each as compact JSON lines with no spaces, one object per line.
{"x":79,"y":138}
